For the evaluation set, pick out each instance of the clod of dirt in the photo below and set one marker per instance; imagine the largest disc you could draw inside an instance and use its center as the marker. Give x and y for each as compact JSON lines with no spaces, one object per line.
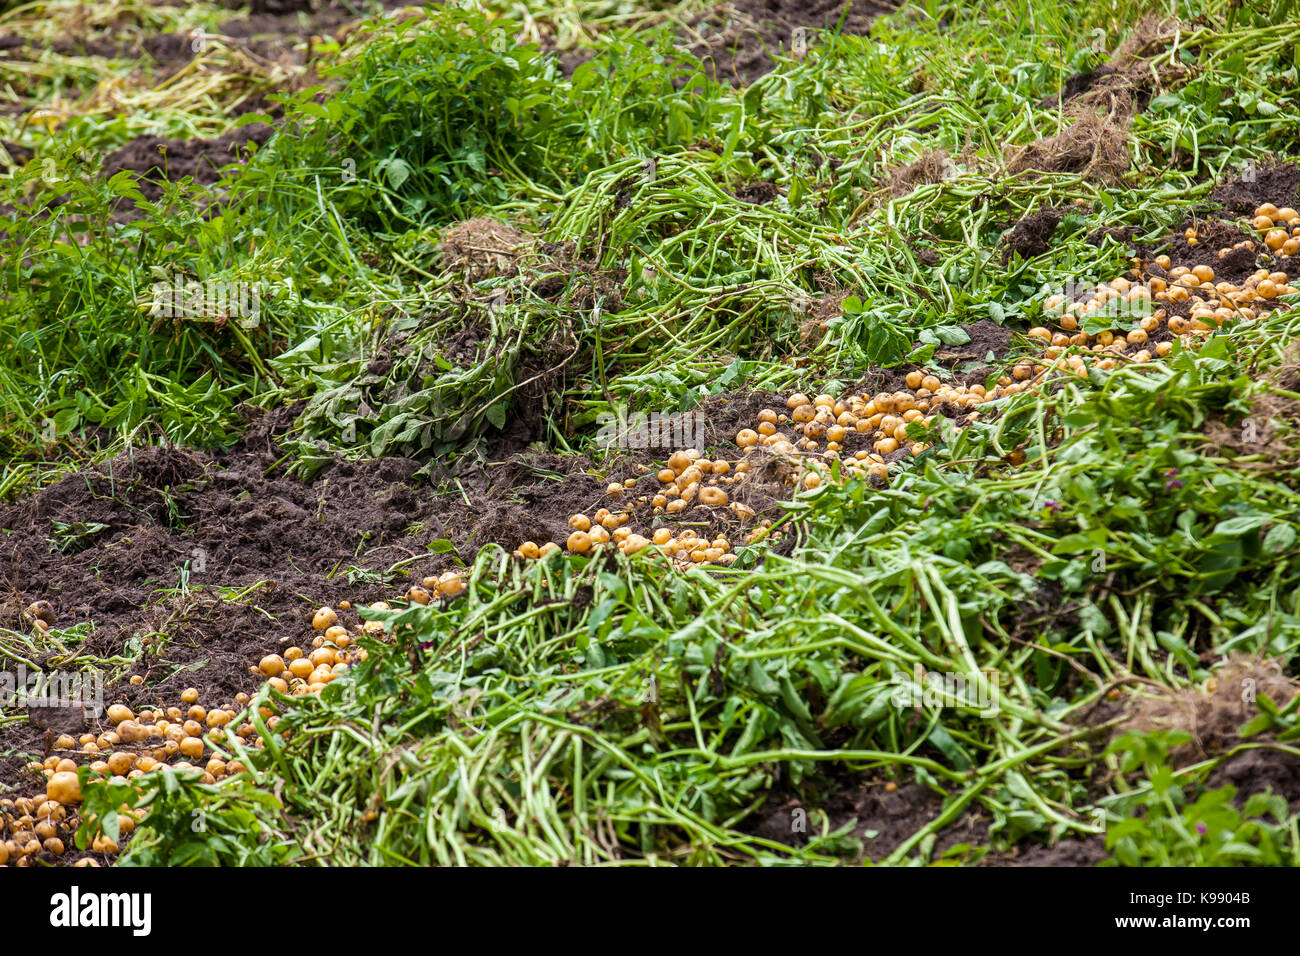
{"x":1121,"y":234}
{"x":1099,"y":107}
{"x":1213,"y":715}
{"x":483,"y":248}
{"x":1032,"y":236}
{"x":1148,"y":36}
{"x":971,"y":361}
{"x":757,"y":194}
{"x":885,"y":818}
{"x":564,"y":268}
{"x":814,"y":326}
{"x":1211,"y":236}
{"x":1094,"y":145}
{"x":930,"y":168}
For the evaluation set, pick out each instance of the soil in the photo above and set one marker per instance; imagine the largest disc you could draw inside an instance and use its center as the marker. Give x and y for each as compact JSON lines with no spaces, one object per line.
{"x":1260,"y":771}
{"x":1279,"y":184}
{"x":1087,"y":852}
{"x":735,"y":40}
{"x":1093,"y":145}
{"x":757,"y":194}
{"x":1076,"y":85}
{"x":892,"y":815}
{"x":1121,"y":234}
{"x":929,"y":169}
{"x":483,"y":248}
{"x":1214,"y":715}
{"x":239,"y":521}
{"x":1032,"y":236}
{"x":279,"y":31}
{"x":588,"y":285}
{"x":970,"y":362}
{"x":157,"y":158}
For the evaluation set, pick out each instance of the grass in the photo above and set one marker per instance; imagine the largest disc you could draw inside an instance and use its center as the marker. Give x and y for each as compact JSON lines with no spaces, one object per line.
{"x":617,"y":711}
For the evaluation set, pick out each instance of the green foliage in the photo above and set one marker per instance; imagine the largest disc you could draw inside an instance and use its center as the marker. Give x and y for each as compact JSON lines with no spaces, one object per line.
{"x":187,"y":822}
{"x":1162,"y":825}
{"x":607,"y":710}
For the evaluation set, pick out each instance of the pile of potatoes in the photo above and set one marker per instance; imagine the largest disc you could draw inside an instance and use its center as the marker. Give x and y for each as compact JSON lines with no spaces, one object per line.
{"x":297,"y":671}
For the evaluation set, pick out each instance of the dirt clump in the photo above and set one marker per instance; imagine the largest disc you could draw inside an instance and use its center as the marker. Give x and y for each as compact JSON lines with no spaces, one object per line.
{"x":483,"y":248}
{"x":757,"y":194}
{"x":883,"y":816}
{"x":1076,"y":85}
{"x":1032,"y":235}
{"x":1099,"y":107}
{"x":931,"y":168}
{"x":1260,"y":771}
{"x":1213,"y":714}
{"x":566,"y":277}
{"x":972,"y":362}
{"x":1093,"y":145}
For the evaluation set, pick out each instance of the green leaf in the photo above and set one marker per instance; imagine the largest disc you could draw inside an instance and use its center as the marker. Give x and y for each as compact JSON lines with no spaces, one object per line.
{"x":1280,"y":537}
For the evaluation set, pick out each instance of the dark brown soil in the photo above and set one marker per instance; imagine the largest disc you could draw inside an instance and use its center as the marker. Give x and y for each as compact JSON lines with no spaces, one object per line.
{"x":278,"y":30}
{"x":1087,"y":852}
{"x":757,"y":194}
{"x":1032,"y":236}
{"x":1212,"y":236}
{"x":1278,"y":184}
{"x":1258,"y":771}
{"x":1214,"y":715}
{"x":971,"y":363}
{"x":240,"y":522}
{"x":1076,"y":85}
{"x":736,"y":40}
{"x":921,"y":172}
{"x":156,"y":159}
{"x":893,"y":817}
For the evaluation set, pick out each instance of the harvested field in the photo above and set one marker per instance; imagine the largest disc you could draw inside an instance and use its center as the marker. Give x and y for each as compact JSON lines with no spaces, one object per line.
{"x":692,"y":434}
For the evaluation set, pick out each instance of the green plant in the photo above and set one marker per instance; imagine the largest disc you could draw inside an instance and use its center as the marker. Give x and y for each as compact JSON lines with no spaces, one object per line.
{"x":1163,"y":826}
{"x":186,"y":822}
